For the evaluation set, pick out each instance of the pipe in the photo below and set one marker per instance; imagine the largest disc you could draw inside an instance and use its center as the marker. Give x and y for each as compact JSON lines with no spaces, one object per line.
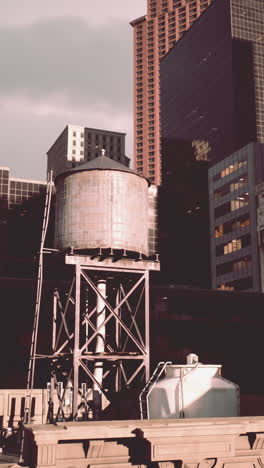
{"x":100,"y":344}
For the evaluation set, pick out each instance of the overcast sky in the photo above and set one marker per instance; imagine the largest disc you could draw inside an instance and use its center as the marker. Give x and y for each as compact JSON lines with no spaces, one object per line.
{"x":63,"y":61}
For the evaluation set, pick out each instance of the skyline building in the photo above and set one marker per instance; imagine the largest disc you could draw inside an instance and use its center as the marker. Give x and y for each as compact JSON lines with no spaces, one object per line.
{"x":212,"y":84}
{"x":236,"y":248}
{"x":21,"y":206}
{"x":15,"y":191}
{"x":77,"y":145}
{"x":154,"y":35}
{"x":212,"y":110}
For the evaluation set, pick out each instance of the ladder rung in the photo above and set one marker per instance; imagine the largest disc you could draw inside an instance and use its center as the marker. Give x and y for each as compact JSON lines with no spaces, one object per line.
{"x":143,"y":403}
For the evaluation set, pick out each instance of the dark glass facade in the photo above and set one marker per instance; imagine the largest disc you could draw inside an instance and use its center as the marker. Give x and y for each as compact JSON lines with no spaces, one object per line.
{"x":212,"y":84}
{"x":197,"y":109}
{"x":248,"y":56}
{"x":183,"y":225}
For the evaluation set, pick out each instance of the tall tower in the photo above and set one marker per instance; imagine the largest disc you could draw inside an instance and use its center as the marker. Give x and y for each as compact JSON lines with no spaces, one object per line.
{"x":154,"y":35}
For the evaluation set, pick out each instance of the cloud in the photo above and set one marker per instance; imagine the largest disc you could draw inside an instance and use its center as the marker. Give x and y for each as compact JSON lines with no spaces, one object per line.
{"x":63,"y":62}
{"x":19,"y":12}
{"x":67,"y":56}
{"x":30,"y":127}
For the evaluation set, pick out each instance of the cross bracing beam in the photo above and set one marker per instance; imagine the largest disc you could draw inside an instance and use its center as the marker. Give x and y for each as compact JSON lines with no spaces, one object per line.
{"x":124,"y":332}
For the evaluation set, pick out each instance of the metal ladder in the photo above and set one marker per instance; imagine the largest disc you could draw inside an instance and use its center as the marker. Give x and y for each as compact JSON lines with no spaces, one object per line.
{"x":143,"y":397}
{"x":33,"y":347}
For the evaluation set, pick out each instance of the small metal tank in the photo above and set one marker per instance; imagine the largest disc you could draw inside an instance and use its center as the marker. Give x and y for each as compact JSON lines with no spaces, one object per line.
{"x":193,"y":391}
{"x":101,"y":204}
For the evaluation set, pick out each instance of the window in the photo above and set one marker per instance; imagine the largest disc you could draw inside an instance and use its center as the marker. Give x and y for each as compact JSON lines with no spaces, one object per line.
{"x":74,"y":143}
{"x":232,"y":246}
{"x":239,"y":202}
{"x":232,"y":168}
{"x":237,"y":184}
{"x":219,"y":231}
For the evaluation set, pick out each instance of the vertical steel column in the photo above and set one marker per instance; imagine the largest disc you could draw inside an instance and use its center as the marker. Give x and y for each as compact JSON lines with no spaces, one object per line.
{"x":147,"y":348}
{"x":76,"y":351}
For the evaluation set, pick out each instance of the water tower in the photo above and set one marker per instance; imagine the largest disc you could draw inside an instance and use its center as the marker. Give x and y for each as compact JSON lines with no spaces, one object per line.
{"x":100,"y":333}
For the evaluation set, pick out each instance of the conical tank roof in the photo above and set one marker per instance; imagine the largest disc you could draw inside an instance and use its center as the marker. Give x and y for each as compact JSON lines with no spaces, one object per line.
{"x":103,"y":162}
{"x":100,"y":163}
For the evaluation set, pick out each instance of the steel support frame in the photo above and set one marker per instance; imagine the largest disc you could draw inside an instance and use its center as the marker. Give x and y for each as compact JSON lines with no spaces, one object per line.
{"x":117,"y":359}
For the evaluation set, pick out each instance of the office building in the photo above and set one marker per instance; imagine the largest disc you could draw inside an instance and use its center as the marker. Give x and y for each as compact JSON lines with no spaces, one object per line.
{"x":259,"y":189}
{"x":21,"y":212}
{"x":212,"y":109}
{"x":235,"y":249}
{"x":212,"y":84}
{"x":14,"y":191}
{"x":77,"y":145}
{"x":154,"y":35}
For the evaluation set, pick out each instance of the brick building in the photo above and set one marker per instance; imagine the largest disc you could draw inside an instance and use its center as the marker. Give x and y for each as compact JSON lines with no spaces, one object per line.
{"x":154,"y":35}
